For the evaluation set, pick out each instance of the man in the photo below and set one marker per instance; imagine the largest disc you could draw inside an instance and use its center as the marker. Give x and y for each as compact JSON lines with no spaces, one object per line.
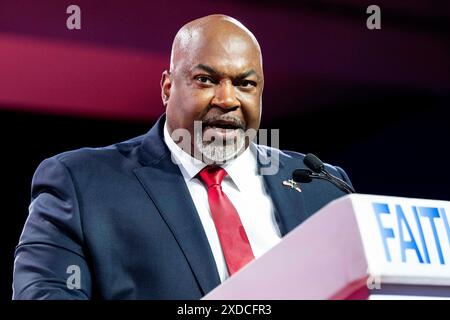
{"x":173,"y":213}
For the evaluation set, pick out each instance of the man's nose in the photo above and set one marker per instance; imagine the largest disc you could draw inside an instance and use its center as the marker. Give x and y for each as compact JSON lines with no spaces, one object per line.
{"x":225,"y":96}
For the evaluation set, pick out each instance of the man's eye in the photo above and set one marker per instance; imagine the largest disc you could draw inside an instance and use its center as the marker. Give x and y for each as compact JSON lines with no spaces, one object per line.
{"x":248,"y":83}
{"x":204,"y":79}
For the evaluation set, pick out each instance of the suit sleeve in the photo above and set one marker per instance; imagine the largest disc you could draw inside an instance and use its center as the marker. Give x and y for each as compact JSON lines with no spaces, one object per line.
{"x":49,"y":260}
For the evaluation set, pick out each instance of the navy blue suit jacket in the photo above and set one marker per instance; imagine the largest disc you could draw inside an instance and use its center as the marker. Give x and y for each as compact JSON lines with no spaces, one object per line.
{"x":124,"y":216}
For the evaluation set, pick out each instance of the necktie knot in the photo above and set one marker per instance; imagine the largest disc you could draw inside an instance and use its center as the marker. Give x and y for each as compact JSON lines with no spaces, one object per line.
{"x":212,"y":175}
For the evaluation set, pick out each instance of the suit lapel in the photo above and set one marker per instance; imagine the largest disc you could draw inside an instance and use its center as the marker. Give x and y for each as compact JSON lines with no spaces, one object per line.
{"x":164,"y":184}
{"x":288,"y":203}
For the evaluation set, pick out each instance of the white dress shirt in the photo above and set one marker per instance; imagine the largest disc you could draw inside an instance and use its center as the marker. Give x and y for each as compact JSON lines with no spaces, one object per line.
{"x":245,"y":189}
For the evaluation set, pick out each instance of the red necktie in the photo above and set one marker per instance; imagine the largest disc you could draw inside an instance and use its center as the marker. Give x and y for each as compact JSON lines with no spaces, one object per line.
{"x":233,"y":239}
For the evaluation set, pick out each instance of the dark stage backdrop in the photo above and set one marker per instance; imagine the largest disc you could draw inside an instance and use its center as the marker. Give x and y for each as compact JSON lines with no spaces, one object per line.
{"x":374,"y":102}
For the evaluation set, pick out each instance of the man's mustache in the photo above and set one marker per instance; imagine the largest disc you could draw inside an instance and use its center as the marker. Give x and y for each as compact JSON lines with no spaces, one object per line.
{"x":224,"y":120}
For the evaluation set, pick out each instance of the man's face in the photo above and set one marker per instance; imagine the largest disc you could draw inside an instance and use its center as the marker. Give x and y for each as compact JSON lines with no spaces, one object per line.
{"x":220,"y":83}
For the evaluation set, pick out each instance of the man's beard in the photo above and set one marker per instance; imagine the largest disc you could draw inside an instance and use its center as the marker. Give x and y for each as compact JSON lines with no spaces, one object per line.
{"x":215,"y":150}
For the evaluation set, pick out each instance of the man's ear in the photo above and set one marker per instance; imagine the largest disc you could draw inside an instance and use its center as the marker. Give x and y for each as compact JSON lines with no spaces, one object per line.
{"x":165,"y":86}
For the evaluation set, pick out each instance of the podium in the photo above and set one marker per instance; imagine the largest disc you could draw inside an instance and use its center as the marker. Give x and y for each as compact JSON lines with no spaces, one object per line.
{"x":357,"y":247}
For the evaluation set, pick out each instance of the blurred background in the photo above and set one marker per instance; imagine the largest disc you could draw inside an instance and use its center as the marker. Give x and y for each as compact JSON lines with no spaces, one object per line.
{"x":374,"y":102}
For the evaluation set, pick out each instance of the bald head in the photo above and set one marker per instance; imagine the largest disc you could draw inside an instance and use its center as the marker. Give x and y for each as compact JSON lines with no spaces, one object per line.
{"x":214,"y":30}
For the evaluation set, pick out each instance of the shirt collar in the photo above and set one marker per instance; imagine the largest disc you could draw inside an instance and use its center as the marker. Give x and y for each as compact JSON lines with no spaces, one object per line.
{"x":241,"y":169}
{"x":189,"y":166}
{"x":238,"y":169}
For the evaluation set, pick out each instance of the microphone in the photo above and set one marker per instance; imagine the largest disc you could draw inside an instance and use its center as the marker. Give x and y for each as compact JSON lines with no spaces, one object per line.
{"x":314,"y":163}
{"x":318,"y":172}
{"x":302,"y":175}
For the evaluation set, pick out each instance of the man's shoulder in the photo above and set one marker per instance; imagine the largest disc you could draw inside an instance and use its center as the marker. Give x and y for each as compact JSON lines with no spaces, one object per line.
{"x":283,"y":155}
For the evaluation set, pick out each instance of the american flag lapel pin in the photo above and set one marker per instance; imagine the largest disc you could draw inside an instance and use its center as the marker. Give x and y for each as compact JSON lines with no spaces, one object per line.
{"x":292,"y":184}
